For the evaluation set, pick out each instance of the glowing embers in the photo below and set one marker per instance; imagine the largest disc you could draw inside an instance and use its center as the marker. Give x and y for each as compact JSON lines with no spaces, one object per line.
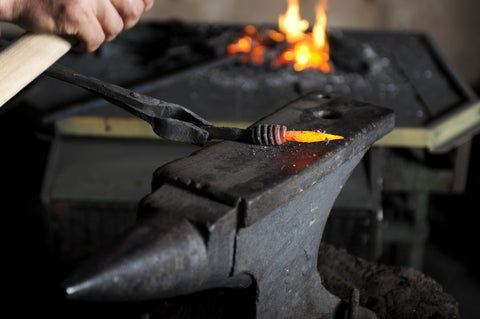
{"x":304,"y":50}
{"x":251,"y":45}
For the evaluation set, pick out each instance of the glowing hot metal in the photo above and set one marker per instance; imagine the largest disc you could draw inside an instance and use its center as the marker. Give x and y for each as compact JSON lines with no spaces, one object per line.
{"x":266,"y":134}
{"x":310,"y":136}
{"x":269,"y":134}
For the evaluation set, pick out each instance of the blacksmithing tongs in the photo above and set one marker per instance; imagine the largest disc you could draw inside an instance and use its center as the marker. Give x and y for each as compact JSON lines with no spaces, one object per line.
{"x":177,"y":123}
{"x":168,"y":120}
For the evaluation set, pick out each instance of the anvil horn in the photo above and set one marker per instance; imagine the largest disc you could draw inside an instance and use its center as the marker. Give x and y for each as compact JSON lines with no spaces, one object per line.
{"x":149,"y":262}
{"x":163,"y":254}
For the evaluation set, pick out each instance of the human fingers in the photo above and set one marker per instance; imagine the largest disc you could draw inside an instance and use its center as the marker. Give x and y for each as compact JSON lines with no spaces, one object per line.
{"x":109,"y":18}
{"x":90,"y":35}
{"x":148,"y":4}
{"x":77,"y":18}
{"x":129,"y":10}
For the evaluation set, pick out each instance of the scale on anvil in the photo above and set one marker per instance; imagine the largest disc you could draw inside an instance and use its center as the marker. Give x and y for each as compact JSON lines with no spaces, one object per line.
{"x":111,"y":155}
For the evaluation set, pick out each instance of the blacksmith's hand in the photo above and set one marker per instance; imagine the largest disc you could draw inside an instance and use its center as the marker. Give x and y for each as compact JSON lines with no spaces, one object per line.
{"x":91,"y":21}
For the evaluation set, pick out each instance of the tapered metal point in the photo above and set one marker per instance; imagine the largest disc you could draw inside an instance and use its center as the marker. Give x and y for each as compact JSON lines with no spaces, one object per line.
{"x":153,"y":260}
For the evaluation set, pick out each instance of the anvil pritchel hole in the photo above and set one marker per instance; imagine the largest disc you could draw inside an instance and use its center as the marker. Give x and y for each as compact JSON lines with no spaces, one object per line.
{"x":327,"y":114}
{"x":323,"y":96}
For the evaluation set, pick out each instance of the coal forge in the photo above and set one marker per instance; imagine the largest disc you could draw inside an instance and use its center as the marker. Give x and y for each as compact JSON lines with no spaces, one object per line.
{"x":183,"y":62}
{"x":101,"y":159}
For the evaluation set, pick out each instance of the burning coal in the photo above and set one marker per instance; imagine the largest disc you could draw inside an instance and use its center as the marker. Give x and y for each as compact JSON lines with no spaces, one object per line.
{"x":304,"y":50}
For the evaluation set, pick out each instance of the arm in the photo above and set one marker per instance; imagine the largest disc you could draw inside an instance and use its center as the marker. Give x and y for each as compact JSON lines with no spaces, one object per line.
{"x":91,"y":21}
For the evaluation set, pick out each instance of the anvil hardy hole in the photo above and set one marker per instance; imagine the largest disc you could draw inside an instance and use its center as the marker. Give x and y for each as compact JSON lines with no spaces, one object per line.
{"x":327,"y":114}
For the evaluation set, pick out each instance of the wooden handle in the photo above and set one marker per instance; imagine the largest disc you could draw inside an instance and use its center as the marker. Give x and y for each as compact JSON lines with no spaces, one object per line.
{"x":26,"y":58}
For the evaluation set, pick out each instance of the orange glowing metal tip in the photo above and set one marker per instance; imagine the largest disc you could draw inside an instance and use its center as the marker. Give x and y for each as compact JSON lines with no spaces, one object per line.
{"x":269,"y":134}
{"x":310,"y":136}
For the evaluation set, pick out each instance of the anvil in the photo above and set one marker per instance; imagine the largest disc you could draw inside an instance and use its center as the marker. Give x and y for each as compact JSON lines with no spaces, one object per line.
{"x":235,"y":214}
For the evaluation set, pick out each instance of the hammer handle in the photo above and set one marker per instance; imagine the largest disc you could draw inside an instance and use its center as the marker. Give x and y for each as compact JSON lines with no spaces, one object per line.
{"x":26,"y":58}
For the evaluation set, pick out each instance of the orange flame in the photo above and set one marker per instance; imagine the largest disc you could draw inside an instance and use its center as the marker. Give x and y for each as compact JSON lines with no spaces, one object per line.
{"x":309,"y":50}
{"x":306,"y":50}
{"x":310,"y":136}
{"x":291,"y":24}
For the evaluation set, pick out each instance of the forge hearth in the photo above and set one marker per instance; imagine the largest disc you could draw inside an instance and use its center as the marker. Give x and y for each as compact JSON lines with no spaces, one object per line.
{"x":184,"y":63}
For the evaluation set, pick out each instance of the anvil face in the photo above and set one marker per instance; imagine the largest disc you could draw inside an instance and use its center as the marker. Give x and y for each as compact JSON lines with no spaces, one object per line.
{"x":265,"y":177}
{"x":232,"y":214}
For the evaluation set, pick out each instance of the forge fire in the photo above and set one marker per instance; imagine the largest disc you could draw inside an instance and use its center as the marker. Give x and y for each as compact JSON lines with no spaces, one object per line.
{"x":302,"y":49}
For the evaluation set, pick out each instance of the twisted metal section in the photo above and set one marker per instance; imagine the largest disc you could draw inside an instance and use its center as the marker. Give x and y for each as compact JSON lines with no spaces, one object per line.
{"x":269,"y":134}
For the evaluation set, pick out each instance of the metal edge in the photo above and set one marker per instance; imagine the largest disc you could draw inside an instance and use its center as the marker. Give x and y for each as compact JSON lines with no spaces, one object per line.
{"x":455,"y":129}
